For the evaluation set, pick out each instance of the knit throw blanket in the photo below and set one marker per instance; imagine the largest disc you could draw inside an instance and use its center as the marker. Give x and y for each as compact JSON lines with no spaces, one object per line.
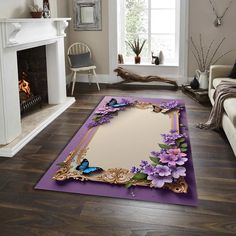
{"x":223,"y":91}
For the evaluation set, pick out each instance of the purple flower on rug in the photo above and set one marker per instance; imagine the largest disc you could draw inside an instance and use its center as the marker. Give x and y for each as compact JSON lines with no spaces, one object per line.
{"x":105,"y":119}
{"x":148,"y":169}
{"x":173,"y":157}
{"x":134,"y":170}
{"x":155,"y":154}
{"x":107,"y":110}
{"x":170,"y":139}
{"x":167,"y":158}
{"x":101,"y":120}
{"x":163,"y":170}
{"x":172,"y":131}
{"x":126,"y":102}
{"x":143,"y":164}
{"x":105,"y":114}
{"x":159,"y":181}
{"x":177,"y":172}
{"x":169,"y":105}
{"x":180,"y":161}
{"x":167,"y":164}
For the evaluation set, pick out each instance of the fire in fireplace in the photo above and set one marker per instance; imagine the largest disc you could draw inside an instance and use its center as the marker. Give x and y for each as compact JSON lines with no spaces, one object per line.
{"x":28,"y":100}
{"x":24,"y":87}
{"x":32,"y":74}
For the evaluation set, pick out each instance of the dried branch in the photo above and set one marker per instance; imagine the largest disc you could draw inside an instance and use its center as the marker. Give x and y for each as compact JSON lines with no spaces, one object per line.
{"x":208,"y":51}
{"x":222,"y":56}
{"x":202,"y":51}
{"x":202,"y":58}
{"x":198,"y":54}
{"x":216,"y":50}
{"x":199,"y":66}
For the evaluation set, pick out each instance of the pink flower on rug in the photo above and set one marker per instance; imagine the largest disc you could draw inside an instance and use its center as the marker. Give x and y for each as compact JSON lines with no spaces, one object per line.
{"x":173,"y":156}
{"x":177,"y":152}
{"x":168,"y":158}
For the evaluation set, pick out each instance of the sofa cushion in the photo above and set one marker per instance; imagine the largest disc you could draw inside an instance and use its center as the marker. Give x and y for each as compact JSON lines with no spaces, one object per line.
{"x":229,"y":106}
{"x":218,"y":80}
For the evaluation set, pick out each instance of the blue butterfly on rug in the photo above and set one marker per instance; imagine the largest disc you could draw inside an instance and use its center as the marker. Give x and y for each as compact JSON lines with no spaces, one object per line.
{"x":113,"y":103}
{"x":86,"y":170}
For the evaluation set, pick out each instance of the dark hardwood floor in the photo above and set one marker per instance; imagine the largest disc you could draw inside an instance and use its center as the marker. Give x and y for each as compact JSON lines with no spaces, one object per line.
{"x":25,"y":211}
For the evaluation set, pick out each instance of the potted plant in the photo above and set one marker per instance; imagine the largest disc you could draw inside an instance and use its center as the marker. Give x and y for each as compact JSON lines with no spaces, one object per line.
{"x":137,"y":48}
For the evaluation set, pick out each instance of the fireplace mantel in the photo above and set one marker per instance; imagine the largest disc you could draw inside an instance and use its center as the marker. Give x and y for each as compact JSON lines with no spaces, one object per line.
{"x":20,"y":34}
{"x":37,"y":30}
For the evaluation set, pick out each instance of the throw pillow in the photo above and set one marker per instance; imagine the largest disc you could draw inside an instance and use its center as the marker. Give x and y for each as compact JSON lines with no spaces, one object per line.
{"x":233,"y":72}
{"x":81,"y":60}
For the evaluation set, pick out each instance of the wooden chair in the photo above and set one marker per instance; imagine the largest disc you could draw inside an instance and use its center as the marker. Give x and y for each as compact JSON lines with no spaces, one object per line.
{"x":80,"y":59}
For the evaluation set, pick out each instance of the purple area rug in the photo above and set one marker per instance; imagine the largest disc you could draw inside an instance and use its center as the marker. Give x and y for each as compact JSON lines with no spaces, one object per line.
{"x":169,"y":165}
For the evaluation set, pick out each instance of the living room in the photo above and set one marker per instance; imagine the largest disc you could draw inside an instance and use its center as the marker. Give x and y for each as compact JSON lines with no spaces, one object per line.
{"x":27,"y":158}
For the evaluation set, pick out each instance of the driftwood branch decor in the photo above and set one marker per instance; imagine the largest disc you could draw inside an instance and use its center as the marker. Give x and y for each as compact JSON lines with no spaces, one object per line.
{"x":129,"y":77}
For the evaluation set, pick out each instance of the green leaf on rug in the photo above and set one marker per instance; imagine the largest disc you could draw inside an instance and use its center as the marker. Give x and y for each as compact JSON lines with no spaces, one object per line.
{"x":139,"y":176}
{"x":61,"y":164}
{"x":155,"y":160}
{"x":164,"y":146}
{"x":184,"y":145}
{"x":128,"y":184}
{"x":184,"y":149}
{"x":179,"y":141}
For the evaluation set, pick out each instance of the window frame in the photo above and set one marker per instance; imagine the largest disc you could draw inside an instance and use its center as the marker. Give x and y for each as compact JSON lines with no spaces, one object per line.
{"x":179,"y":72}
{"x":149,"y":8}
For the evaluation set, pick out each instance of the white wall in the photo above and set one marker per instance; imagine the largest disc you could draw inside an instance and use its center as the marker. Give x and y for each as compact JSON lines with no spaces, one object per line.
{"x":14,"y":9}
{"x":20,"y":8}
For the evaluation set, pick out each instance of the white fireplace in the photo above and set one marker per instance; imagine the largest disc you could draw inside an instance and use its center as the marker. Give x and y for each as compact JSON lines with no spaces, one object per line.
{"x":20,"y":34}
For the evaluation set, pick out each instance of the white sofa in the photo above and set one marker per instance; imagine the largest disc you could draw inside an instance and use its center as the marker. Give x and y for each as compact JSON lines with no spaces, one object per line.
{"x":217,"y":74}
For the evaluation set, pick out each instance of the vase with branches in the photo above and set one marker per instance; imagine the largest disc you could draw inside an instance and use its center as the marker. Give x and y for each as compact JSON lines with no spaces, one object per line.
{"x":205,"y":57}
{"x":209,"y":57}
{"x":137,"y":48}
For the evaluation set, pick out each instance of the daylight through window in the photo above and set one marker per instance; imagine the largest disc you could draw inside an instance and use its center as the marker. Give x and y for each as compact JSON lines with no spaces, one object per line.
{"x":157,"y":21}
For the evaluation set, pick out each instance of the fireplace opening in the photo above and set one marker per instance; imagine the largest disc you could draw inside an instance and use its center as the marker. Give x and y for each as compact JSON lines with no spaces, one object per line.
{"x":32,"y":75}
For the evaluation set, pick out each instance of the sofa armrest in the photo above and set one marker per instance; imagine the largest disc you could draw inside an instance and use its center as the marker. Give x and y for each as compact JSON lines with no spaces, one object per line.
{"x":219,"y":71}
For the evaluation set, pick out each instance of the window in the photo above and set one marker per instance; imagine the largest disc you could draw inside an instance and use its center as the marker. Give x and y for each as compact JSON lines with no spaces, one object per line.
{"x":157,"y":21}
